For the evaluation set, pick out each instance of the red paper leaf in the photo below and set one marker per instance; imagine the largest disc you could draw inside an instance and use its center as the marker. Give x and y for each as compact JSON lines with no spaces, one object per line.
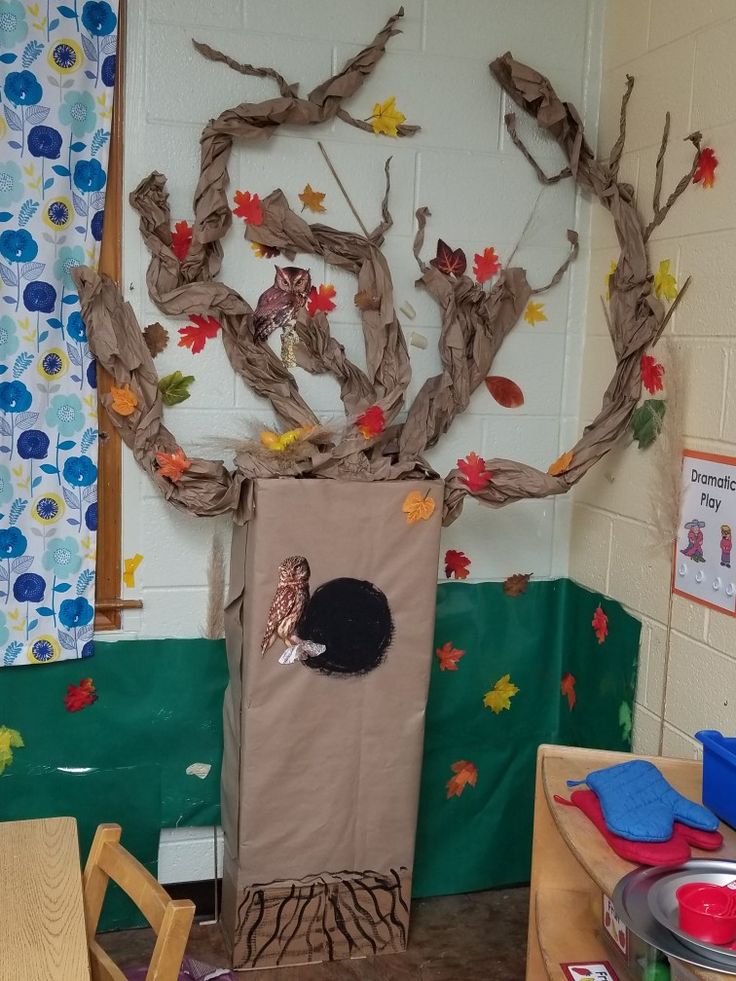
{"x":474,"y":473}
{"x":320,"y":298}
{"x":486,"y":265}
{"x":466,"y":774}
{"x":705,"y":172}
{"x":372,"y":422}
{"x":449,"y":656}
{"x":79,"y":696}
{"x":457,"y":564}
{"x":651,"y":374}
{"x":600,"y":624}
{"x":567,"y":687}
{"x":506,"y":392}
{"x":248,"y":207}
{"x":195,"y":337}
{"x":451,"y":262}
{"x":181,"y":240}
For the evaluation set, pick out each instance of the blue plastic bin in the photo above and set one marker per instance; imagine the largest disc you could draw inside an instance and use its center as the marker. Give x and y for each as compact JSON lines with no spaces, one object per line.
{"x":719,"y":774}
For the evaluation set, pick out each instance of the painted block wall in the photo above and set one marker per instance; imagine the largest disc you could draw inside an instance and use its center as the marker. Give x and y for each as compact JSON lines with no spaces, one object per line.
{"x":480,"y":192}
{"x":680,"y":54}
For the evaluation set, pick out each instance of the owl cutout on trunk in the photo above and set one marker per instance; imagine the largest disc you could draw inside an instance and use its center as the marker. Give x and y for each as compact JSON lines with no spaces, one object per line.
{"x":278,"y":307}
{"x":287,"y":607}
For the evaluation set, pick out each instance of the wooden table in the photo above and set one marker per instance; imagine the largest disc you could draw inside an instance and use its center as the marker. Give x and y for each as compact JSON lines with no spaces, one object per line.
{"x":42,"y":932}
{"x":572,"y":865}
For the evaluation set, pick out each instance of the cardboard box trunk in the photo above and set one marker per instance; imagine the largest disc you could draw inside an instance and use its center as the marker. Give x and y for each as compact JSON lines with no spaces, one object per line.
{"x":322,"y":759}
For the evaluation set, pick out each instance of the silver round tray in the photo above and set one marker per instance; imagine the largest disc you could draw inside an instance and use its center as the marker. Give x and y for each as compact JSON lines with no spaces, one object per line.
{"x":631,"y":898}
{"x":664,"y":907}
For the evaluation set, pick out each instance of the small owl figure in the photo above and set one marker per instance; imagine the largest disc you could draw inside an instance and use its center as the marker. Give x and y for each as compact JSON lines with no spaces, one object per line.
{"x":292,"y":596}
{"x":280,"y":303}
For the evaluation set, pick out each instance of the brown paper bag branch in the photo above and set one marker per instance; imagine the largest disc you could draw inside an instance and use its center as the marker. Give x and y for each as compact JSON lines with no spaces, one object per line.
{"x":635,"y":316}
{"x":474,"y":322}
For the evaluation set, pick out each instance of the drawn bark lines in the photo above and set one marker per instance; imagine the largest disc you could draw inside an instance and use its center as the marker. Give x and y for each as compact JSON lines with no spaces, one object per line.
{"x":331,"y":916}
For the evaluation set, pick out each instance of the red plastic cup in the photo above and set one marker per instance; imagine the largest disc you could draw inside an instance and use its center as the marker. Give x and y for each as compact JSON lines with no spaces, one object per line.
{"x":708,"y":912}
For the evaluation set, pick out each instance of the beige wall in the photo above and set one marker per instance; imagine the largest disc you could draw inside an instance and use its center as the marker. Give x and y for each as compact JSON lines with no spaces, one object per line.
{"x":681,"y":55}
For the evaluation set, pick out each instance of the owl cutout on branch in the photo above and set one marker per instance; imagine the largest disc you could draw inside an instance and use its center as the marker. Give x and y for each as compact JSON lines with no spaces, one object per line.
{"x":287,"y":607}
{"x":278,"y":307}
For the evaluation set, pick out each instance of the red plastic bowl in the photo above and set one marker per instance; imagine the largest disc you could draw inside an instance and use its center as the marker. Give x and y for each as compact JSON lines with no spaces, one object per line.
{"x":707,"y":912}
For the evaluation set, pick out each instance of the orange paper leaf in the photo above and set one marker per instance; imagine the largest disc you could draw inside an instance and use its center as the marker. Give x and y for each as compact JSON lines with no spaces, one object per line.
{"x":418,"y":507}
{"x":372,"y":422}
{"x":196,"y":336}
{"x":465,"y":775}
{"x":561,"y":464}
{"x":457,"y":564}
{"x":173,"y":465}
{"x":506,"y":392}
{"x":651,"y":374}
{"x":248,"y":207}
{"x":181,"y":240}
{"x":705,"y":172}
{"x":517,"y":584}
{"x":448,"y":656}
{"x":600,"y":624}
{"x":312,"y":199}
{"x":474,"y":473}
{"x":567,"y":687}
{"x":320,"y":298}
{"x":486,"y":265}
{"x":124,"y":401}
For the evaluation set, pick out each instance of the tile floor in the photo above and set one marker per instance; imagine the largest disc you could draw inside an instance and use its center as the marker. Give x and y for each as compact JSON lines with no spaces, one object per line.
{"x":453,"y":938}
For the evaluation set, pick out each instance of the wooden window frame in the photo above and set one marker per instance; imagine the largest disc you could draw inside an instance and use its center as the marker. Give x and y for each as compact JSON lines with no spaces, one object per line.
{"x":108,"y":603}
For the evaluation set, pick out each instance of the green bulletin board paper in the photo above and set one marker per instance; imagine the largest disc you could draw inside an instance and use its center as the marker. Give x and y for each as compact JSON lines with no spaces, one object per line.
{"x":159,"y":704}
{"x":129,"y":796}
{"x":482,"y":838}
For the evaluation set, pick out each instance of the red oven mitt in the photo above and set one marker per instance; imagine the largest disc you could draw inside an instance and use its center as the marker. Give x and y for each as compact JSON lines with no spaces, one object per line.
{"x":672,"y":852}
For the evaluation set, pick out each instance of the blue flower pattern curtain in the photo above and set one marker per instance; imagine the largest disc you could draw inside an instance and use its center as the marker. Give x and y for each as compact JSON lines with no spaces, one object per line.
{"x":57,"y":65}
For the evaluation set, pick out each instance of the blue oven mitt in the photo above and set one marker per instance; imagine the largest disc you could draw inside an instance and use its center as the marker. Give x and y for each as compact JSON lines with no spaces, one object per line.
{"x":640,"y":805}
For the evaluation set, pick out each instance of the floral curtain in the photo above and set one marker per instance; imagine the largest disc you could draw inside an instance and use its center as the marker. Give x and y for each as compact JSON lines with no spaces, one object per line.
{"x":57,"y":65}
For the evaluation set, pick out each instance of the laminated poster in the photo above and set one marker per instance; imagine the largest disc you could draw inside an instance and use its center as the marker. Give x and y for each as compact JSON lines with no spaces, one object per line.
{"x":703,"y":570}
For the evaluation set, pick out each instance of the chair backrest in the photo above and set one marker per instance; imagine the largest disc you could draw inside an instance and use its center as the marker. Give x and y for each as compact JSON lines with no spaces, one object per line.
{"x":171,"y":919}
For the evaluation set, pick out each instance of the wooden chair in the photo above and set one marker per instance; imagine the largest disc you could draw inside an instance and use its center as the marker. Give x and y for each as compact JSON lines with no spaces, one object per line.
{"x":170,"y":919}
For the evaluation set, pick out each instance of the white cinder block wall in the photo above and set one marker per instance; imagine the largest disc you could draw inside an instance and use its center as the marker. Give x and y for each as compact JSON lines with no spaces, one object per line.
{"x":680,"y":53}
{"x":479,"y":189}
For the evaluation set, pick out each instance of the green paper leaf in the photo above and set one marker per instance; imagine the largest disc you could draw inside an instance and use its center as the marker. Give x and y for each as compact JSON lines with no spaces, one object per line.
{"x":174,"y":388}
{"x":646,"y":422}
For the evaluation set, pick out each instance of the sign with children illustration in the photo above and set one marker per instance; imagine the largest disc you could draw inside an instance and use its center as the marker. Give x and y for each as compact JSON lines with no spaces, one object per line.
{"x":707,"y":516}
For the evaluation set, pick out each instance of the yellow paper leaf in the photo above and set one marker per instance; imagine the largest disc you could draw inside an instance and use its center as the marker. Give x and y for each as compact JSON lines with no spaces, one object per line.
{"x":534,"y":313}
{"x":610,"y":273}
{"x":561,"y":464}
{"x":386,"y":117}
{"x":499,"y":697}
{"x":665,"y":284}
{"x":130,"y":565}
{"x":10,"y":739}
{"x":418,"y":507}
{"x":312,"y":199}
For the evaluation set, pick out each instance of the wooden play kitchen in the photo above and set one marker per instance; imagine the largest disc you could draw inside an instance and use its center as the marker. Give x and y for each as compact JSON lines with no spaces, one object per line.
{"x":573,"y":920}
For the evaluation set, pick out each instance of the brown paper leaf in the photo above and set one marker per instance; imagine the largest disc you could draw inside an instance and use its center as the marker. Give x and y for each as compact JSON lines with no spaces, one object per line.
{"x":517,"y":584}
{"x":506,"y":392}
{"x":156,"y":337}
{"x":366,"y":301}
